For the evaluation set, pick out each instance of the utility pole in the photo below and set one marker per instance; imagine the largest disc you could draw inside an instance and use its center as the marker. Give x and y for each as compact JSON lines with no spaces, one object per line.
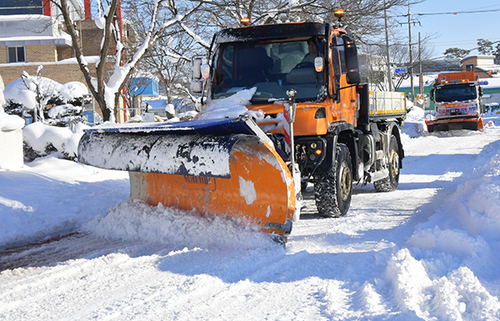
{"x":388,"y":52}
{"x":420,"y":78}
{"x":411,"y":55}
{"x":410,"y":67}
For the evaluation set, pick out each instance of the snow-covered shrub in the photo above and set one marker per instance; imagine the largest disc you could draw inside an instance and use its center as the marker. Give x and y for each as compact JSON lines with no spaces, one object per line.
{"x":13,"y":108}
{"x":61,"y":104}
{"x":41,"y":140}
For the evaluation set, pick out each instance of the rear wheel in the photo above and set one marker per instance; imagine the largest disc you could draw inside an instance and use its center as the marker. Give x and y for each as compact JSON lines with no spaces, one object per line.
{"x":391,"y":182}
{"x":333,"y":189}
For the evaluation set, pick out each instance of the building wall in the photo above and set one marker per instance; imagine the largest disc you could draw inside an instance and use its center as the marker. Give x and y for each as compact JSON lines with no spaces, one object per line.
{"x":3,"y":55}
{"x":64,"y":53}
{"x":46,"y":53}
{"x":62,"y":73}
{"x":92,"y":35}
{"x":50,"y":55}
{"x":35,"y":53}
{"x":480,"y":65}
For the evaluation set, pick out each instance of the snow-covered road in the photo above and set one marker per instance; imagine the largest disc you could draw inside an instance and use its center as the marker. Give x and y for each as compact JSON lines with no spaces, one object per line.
{"x":428,"y":251}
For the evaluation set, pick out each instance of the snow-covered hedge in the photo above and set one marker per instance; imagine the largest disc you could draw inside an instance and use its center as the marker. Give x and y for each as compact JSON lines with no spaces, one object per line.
{"x":61,"y":103}
{"x":41,"y":140}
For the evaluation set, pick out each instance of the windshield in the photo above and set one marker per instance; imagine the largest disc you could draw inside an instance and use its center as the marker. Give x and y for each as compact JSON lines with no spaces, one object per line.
{"x":272,"y":66}
{"x":456,"y":92}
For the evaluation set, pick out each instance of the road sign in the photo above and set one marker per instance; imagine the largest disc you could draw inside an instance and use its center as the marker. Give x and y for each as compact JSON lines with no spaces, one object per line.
{"x":401,"y":70}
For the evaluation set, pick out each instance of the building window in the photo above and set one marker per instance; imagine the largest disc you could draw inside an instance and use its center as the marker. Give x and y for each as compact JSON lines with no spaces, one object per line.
{"x":16,"y":54}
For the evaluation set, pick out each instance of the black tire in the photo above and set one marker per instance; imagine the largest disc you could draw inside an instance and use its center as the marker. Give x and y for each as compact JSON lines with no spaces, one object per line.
{"x":333,"y":189}
{"x":391,"y":182}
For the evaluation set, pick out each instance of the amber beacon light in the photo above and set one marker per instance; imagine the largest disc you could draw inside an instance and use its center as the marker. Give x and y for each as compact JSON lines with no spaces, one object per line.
{"x":339,"y":13}
{"x":245,"y":21}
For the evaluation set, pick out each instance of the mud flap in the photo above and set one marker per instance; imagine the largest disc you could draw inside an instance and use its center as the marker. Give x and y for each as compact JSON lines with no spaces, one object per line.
{"x":225,"y":168}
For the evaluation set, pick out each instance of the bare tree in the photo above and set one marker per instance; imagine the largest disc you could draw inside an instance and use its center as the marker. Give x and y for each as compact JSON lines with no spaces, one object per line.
{"x":107,"y":91}
{"x":170,"y":59}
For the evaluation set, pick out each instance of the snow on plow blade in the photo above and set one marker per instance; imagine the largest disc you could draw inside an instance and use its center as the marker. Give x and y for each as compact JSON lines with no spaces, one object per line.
{"x":218,"y":167}
{"x":455,"y":124}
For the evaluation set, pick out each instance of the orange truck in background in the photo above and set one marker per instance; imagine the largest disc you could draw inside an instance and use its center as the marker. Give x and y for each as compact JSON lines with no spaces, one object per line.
{"x":457,"y":102}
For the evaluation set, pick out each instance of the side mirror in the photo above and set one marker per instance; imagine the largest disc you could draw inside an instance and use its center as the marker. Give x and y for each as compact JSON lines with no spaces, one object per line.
{"x":196,"y":68}
{"x":196,"y":87}
{"x":351,"y":61}
{"x":480,"y":89}
{"x":200,"y":71}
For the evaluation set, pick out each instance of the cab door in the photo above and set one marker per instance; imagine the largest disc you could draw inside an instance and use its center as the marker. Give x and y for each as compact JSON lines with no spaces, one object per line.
{"x":344,"y":68}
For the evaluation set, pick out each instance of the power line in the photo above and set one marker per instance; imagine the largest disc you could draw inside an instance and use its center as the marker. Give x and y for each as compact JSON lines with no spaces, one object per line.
{"x":455,"y":12}
{"x":448,"y":13}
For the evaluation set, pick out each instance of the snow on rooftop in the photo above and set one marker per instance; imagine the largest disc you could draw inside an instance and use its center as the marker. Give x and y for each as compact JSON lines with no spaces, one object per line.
{"x":24,"y":17}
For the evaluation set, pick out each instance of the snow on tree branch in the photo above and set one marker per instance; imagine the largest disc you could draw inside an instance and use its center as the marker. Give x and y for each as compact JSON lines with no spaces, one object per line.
{"x":195,"y":36}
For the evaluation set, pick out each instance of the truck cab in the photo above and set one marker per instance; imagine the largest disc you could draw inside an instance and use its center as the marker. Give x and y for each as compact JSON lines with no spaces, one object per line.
{"x":457,"y":102}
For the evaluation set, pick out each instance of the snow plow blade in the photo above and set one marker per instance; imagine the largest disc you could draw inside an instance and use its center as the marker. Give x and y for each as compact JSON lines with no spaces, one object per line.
{"x":455,"y":124}
{"x":218,"y":167}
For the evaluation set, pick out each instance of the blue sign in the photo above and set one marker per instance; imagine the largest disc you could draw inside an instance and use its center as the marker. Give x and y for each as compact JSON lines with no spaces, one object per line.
{"x":401,"y":70}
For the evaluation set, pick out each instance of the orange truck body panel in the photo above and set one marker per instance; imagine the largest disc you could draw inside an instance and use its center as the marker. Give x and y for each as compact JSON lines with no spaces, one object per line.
{"x":465,"y":76}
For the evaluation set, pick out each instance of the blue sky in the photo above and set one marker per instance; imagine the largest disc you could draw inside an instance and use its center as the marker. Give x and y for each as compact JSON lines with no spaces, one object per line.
{"x":461,"y":30}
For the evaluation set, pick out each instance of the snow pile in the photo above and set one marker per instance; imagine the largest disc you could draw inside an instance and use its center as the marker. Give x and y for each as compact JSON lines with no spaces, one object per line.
{"x":42,"y":139}
{"x":438,"y":274}
{"x":51,"y":196}
{"x":414,"y":124}
{"x":11,"y":137}
{"x":475,"y":209}
{"x":231,"y":107}
{"x":134,"y":220}
{"x":10,"y":122}
{"x":409,"y":280}
{"x":458,"y":295}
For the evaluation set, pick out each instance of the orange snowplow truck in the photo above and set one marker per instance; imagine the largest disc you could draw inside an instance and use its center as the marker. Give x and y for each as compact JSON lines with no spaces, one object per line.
{"x":457,"y":102}
{"x":341,"y":132}
{"x":308,"y":120}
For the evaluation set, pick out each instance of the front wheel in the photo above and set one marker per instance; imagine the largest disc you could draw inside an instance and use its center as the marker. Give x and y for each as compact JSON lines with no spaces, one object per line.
{"x":333,"y":189}
{"x":391,"y":182}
